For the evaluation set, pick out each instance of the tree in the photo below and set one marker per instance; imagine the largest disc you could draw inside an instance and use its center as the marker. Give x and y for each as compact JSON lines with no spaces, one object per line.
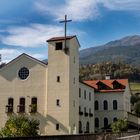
{"x":134,"y":99}
{"x":119,"y":125}
{"x":137,"y":108}
{"x":20,"y":127}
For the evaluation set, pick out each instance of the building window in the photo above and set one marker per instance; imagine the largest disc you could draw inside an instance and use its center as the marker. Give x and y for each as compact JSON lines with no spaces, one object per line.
{"x":74,"y":59}
{"x":74,"y":80}
{"x":90,"y":113}
{"x":80,"y":111}
{"x":96,"y":105}
{"x":105,"y":105}
{"x":80,"y":127}
{"x":96,"y":122}
{"x":89,"y":96}
{"x":23,"y":73}
{"x":21,"y":106}
{"x":74,"y":103}
{"x":115,"y":105}
{"x":86,"y":114}
{"x":85,"y":94}
{"x":58,"y":46}
{"x":87,"y":127}
{"x":105,"y":122}
{"x":79,"y":92}
{"x":33,"y":106}
{"x":57,"y":126}
{"x":115,"y":119}
{"x":9,"y":107}
{"x":58,"y":78}
{"x":58,"y":102}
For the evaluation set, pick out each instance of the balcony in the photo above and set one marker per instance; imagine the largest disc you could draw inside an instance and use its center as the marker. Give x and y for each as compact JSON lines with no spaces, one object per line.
{"x":87,"y":131}
{"x":33,"y":108}
{"x":9,"y":109}
{"x":90,"y":115}
{"x":86,"y":114}
{"x":21,"y":109}
{"x":80,"y":113}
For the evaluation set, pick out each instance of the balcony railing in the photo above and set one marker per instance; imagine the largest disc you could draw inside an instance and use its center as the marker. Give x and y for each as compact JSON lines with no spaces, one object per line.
{"x":86,"y":114}
{"x":33,"y":108}
{"x":80,"y":113}
{"x":90,"y":115}
{"x":87,"y":131}
{"x":20,"y":108}
{"x":9,"y":109}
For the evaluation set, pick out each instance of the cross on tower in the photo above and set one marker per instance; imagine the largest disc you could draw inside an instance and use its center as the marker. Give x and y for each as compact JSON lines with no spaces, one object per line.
{"x":65,"y":21}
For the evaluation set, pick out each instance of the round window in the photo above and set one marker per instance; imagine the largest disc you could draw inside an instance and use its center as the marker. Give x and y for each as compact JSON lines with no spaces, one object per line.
{"x":23,"y":73}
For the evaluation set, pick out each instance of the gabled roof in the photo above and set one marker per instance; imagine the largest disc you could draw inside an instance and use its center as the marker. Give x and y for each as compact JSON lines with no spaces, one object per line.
{"x":26,"y":55}
{"x":109,"y":83}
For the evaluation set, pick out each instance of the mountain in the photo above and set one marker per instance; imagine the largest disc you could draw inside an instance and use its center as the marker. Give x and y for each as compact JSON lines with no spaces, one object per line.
{"x":126,"y":50}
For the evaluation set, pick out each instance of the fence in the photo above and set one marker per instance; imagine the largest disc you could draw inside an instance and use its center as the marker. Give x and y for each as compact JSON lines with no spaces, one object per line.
{"x":133,"y":137}
{"x":100,"y":136}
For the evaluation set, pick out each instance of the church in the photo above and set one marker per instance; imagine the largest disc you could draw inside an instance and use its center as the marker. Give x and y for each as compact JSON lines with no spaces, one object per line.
{"x":48,"y":92}
{"x":52,"y":93}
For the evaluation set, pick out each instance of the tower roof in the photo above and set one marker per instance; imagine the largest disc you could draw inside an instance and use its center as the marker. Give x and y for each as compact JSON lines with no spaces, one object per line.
{"x":60,"y":38}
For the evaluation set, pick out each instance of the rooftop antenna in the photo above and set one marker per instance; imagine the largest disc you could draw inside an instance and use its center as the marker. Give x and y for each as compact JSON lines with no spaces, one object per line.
{"x":65,"y":23}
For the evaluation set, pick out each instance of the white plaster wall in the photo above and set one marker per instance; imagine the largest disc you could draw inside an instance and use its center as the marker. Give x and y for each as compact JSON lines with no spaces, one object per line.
{"x":34,"y":86}
{"x":88,"y":104}
{"x":110,"y":113}
{"x":62,"y":64}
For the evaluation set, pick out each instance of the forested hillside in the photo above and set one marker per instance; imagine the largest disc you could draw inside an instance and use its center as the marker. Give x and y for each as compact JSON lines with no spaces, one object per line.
{"x":115,"y":70}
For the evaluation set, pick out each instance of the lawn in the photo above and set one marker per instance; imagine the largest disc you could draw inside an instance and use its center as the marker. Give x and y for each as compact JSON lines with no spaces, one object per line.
{"x":135,"y":87}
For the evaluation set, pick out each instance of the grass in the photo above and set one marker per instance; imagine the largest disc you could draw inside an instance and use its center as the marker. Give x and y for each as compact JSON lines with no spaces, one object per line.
{"x":135,"y":87}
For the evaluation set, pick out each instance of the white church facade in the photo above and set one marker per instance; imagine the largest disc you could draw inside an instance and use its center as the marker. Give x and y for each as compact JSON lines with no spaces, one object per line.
{"x":52,"y":93}
{"x":47,"y":92}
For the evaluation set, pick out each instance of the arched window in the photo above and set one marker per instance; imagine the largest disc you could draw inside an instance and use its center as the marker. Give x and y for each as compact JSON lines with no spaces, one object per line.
{"x":9,"y":107}
{"x":10,"y":101}
{"x":115,"y":119}
{"x":80,"y":127}
{"x":96,"y":105}
{"x":105,"y":105}
{"x":21,"y":106}
{"x":96,"y":122}
{"x":105,"y":122}
{"x":115,"y":105}
{"x":33,"y":106}
{"x":87,"y":127}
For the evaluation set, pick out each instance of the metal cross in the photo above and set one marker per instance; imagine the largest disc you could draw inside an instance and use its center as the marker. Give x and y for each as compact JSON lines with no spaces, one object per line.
{"x":65,"y":21}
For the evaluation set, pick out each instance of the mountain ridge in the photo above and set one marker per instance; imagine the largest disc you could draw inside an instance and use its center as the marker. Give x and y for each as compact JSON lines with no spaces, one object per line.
{"x":126,"y":49}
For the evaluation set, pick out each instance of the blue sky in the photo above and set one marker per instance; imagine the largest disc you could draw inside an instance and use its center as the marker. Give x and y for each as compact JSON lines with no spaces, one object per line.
{"x":25,"y":25}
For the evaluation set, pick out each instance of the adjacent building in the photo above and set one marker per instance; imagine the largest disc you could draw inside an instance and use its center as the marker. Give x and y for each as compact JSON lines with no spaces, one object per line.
{"x":112,"y":101}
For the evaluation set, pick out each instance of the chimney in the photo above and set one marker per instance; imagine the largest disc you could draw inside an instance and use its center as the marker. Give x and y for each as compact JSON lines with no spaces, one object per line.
{"x":107,"y":76}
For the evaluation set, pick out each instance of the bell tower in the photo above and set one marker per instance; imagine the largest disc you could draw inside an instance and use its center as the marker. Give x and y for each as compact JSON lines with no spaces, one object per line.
{"x":63,"y":85}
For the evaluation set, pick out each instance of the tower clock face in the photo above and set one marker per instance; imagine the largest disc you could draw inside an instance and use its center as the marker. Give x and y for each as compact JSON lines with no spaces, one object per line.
{"x":23,"y":73}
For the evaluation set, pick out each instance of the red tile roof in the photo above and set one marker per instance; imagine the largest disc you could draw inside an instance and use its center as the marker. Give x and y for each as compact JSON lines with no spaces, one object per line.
{"x":108,"y":83}
{"x":60,"y":38}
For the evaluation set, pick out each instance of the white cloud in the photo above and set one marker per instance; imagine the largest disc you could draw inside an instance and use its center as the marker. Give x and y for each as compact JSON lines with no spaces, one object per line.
{"x":34,"y":35}
{"x":10,"y":54}
{"x":124,"y":5}
{"x":77,"y":10}
{"x":81,"y":10}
